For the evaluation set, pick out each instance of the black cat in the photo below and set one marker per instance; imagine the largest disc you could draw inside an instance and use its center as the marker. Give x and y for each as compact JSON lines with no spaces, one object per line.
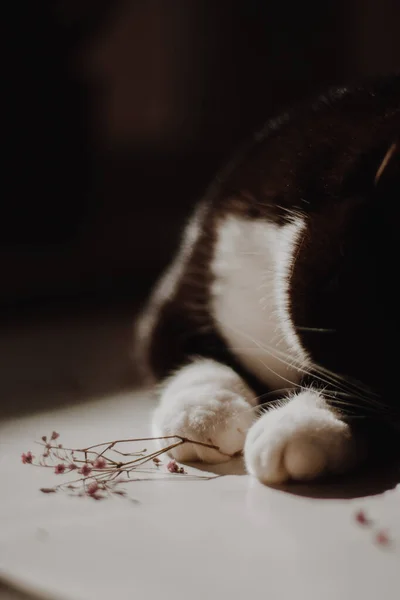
{"x":283,"y":293}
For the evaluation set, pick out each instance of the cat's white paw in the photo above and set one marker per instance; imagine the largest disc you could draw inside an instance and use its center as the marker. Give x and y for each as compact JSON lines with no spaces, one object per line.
{"x":300,"y":440}
{"x":205,"y":402}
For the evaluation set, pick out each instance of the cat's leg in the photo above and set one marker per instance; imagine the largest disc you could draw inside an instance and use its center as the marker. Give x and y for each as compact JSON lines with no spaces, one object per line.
{"x":205,"y":401}
{"x":301,"y":439}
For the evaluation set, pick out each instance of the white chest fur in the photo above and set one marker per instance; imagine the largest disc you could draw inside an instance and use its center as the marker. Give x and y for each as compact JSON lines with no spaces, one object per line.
{"x":251,"y":266}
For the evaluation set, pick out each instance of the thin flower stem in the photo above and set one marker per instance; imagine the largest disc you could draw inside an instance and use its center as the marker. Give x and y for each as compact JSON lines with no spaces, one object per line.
{"x":149,"y":439}
{"x":64,"y":460}
{"x":141,"y":453}
{"x":143,"y":459}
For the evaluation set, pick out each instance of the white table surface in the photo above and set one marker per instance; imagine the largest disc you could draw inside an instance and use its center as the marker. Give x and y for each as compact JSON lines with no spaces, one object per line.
{"x":228,"y":537}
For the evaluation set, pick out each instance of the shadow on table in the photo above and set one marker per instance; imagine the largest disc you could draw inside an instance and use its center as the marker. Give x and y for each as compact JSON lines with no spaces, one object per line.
{"x":10,"y":590}
{"x":66,"y":358}
{"x":375,"y":477}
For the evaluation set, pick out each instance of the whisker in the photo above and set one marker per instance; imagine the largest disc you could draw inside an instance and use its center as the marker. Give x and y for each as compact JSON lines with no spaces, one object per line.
{"x":292,"y":383}
{"x":340,"y":382}
{"x":350,"y":382}
{"x":294,"y":362}
{"x":315,"y":329}
{"x":271,"y":393}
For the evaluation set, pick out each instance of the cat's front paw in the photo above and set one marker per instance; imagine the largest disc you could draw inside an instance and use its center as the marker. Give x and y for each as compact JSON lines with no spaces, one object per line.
{"x":218,"y":417}
{"x":206,"y":403}
{"x":301,"y":440}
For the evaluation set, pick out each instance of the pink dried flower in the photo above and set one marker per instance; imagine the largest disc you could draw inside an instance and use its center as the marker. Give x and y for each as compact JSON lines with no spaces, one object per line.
{"x":72,"y":466}
{"x":85,"y":470}
{"x":100,"y":463}
{"x":46,"y":454}
{"x":156,"y":460}
{"x":47,"y":490}
{"x":59,"y":469}
{"x":44,"y":438}
{"x":54,"y":435}
{"x":27,"y":458}
{"x":173,"y":467}
{"x":382,"y":538}
{"x":92,"y":488}
{"x":361,"y":518}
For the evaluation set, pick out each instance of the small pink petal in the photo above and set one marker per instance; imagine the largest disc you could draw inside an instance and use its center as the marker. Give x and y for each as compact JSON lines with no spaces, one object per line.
{"x":92,"y":488}
{"x":361,"y":518}
{"x":55,"y":435}
{"x":100,"y":463}
{"x":382,"y":538}
{"x":85,"y":470}
{"x":60,"y":468}
{"x":172,"y":466}
{"x":27,"y":458}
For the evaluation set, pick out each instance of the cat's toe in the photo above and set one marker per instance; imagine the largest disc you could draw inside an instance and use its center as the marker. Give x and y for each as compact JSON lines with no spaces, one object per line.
{"x":300,"y":443}
{"x":218,"y":417}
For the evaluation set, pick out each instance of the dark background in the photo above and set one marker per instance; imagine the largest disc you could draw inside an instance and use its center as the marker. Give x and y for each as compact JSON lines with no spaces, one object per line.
{"x":118,"y":114}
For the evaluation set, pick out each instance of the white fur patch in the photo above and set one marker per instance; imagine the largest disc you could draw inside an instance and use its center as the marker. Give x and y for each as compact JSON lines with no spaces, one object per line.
{"x":251,"y":267}
{"x":300,"y":440}
{"x":286,"y":247}
{"x":205,"y":402}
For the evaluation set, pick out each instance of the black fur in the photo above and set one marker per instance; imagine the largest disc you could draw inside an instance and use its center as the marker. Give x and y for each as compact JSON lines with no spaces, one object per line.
{"x":321,"y":161}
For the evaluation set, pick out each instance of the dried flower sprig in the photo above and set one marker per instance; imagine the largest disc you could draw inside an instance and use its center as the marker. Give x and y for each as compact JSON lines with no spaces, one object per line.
{"x":100,"y":468}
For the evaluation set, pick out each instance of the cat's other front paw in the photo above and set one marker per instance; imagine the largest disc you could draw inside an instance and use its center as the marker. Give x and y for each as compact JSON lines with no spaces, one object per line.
{"x":301,"y":440}
{"x":206,"y":403}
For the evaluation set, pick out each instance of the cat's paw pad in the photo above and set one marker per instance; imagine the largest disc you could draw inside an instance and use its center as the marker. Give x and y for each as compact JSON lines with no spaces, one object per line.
{"x":220,"y":417}
{"x":302,"y":441}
